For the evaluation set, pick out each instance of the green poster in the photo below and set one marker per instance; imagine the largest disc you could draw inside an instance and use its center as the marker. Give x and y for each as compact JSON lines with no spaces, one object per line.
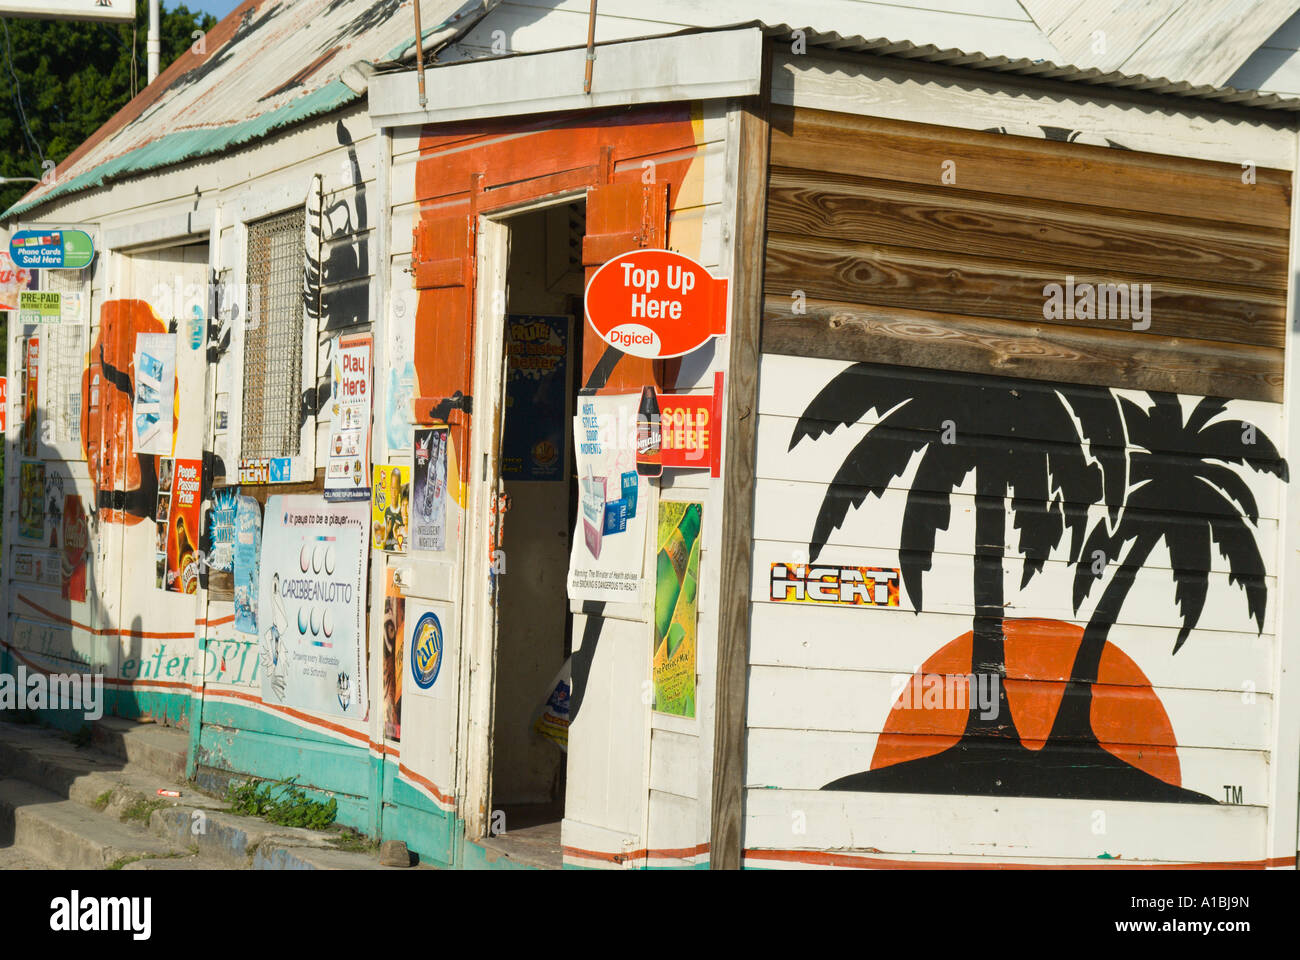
{"x":677,"y":577}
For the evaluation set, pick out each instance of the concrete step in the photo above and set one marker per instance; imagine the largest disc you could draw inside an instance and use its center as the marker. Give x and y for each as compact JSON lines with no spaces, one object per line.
{"x":150,"y":746}
{"x":192,"y":862}
{"x":88,"y":807}
{"x":249,"y":843}
{"x":107,"y":783}
{"x":67,"y":834}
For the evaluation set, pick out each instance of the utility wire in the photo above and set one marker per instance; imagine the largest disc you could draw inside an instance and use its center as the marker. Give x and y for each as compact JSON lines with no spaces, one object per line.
{"x":18,"y":95}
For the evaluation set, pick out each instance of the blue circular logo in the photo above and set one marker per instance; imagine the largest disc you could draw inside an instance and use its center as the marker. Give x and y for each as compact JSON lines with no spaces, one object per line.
{"x":426,"y":651}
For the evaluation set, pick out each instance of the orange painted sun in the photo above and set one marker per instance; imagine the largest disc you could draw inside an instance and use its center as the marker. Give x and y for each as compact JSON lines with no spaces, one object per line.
{"x":1128,"y":718}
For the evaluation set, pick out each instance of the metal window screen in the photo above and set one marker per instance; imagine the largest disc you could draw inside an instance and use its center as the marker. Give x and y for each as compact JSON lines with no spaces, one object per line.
{"x":273,"y":339}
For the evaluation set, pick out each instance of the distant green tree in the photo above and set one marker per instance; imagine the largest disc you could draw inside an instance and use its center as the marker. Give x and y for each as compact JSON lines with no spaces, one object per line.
{"x":60,"y":80}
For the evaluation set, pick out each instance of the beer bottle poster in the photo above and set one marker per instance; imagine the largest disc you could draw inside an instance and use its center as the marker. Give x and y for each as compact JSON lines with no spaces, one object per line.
{"x":677,"y":577}
{"x":312,"y":605}
{"x":429,"y":490}
{"x":609,"y":543}
{"x":183,"y":526}
{"x":248,"y":548}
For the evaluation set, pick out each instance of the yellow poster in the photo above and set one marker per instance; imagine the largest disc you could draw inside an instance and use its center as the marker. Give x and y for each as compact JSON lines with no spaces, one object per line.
{"x":677,"y":577}
{"x":390,"y":506}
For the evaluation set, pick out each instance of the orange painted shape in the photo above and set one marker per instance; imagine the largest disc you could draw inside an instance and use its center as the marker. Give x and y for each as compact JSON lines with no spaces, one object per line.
{"x":1127,"y":716}
{"x":106,"y":406}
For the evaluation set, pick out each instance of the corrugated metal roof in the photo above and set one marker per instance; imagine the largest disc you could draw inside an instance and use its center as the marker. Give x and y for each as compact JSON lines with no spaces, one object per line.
{"x":274,"y":63}
{"x":1041,"y":69}
{"x":268,"y":65}
{"x":1201,"y":41}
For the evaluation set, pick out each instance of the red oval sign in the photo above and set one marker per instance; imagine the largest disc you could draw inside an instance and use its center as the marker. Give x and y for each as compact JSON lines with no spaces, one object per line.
{"x":656,"y":304}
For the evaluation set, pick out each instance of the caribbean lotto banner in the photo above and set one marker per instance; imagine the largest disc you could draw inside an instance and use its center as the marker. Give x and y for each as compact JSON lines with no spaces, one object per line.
{"x":311,"y":604}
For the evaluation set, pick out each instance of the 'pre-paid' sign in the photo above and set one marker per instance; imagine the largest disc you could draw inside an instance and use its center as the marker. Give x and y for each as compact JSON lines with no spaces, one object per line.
{"x":52,"y":249}
{"x":656,"y":304}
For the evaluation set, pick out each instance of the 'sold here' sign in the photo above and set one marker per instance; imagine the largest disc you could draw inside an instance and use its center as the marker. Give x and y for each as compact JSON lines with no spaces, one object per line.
{"x":656,"y":304}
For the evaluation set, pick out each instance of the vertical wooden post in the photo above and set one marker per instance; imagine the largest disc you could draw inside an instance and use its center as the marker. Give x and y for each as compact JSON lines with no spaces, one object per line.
{"x":740,"y":439}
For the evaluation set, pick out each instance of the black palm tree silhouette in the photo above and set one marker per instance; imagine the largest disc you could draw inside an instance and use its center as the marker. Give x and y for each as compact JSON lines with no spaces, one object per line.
{"x":1067,"y":455}
{"x":1180,"y":464}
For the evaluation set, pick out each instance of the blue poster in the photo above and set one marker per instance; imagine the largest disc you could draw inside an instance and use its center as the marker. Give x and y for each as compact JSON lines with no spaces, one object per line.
{"x":221,"y":529}
{"x":537,"y":392}
{"x":248,"y":545}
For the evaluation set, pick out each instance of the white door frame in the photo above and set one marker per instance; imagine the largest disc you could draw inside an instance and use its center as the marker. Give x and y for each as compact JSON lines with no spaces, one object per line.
{"x":477,"y":680}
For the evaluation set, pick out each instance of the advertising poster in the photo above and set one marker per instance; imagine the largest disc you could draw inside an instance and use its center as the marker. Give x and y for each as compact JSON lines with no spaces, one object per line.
{"x":13,"y":280}
{"x":31,"y":502}
{"x":50,"y":307}
{"x":537,"y":381}
{"x":162,"y":516}
{"x":677,"y":577}
{"x":391,"y":506}
{"x":155,"y":381}
{"x":430,"y":490}
{"x":312,"y":607}
{"x":31,"y":398}
{"x":607,"y":559}
{"x":248,"y":547}
{"x":221,"y":529}
{"x":183,"y":518}
{"x":53,"y":508}
{"x":347,"y":471}
{"x":426,"y":646}
{"x":552,"y":721}
{"x":394,"y":649}
{"x":37,"y":566}
{"x":76,"y":538}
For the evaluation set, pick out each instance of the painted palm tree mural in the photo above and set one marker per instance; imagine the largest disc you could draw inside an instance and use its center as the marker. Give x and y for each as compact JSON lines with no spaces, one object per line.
{"x":1054,"y":451}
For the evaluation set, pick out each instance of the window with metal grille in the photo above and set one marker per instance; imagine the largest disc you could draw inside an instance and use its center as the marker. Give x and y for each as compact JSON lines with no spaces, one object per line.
{"x":273,"y":336}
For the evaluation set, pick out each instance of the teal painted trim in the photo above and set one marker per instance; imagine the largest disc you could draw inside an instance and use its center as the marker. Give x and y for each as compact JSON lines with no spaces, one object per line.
{"x":410,"y":816}
{"x":221,"y":711}
{"x":376,"y":794}
{"x":174,"y":148}
{"x":196,"y":718}
{"x":399,"y":52}
{"x":337,"y":768}
{"x":172,"y":709}
{"x":476,"y":859}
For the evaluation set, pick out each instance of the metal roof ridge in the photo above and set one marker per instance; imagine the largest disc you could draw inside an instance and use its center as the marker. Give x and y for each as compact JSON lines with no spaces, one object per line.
{"x":1065,"y":73}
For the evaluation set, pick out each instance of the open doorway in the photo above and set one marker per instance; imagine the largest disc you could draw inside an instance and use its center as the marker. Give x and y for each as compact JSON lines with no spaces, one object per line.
{"x":538,"y":489}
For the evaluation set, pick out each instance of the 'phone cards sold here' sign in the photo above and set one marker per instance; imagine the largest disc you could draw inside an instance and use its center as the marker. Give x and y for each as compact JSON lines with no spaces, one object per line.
{"x":52,"y":249}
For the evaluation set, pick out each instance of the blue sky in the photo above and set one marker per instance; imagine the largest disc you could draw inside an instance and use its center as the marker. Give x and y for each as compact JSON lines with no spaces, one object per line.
{"x":218,"y":8}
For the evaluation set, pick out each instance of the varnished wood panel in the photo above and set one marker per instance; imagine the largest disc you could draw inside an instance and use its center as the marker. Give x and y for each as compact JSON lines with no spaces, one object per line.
{"x":1069,"y":237}
{"x":1042,"y":351}
{"x":946,"y":282}
{"x":898,"y":263}
{"x":1021,"y":167}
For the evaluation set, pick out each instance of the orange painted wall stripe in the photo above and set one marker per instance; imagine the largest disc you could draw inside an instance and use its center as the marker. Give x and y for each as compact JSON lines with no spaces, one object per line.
{"x":820,"y":859}
{"x":667,"y":853}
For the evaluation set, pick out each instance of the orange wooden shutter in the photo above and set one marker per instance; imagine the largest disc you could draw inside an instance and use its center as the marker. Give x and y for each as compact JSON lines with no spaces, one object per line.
{"x":620,"y":217}
{"x":443,"y":269}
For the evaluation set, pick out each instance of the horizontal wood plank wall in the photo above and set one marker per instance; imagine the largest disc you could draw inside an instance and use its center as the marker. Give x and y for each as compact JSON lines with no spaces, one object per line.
{"x":982,"y":473}
{"x":896,"y":265}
